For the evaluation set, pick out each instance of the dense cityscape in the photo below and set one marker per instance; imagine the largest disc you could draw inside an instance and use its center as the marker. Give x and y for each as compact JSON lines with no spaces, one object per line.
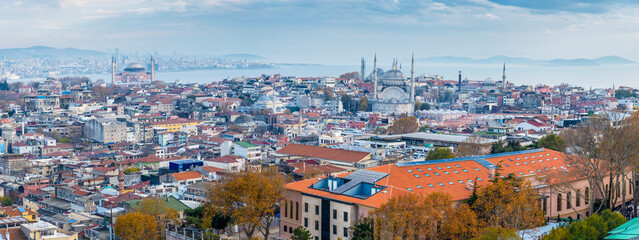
{"x":319,"y":120}
{"x":334,"y":157}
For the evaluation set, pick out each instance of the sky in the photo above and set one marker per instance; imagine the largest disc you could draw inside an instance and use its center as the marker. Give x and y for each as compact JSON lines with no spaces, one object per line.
{"x":329,"y":31}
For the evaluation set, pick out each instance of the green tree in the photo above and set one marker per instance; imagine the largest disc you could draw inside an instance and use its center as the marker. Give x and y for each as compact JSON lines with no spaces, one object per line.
{"x":424,"y":106}
{"x":301,"y":233}
{"x":64,"y":140}
{"x":440,"y":153}
{"x":131,"y":170}
{"x":363,"y":230}
{"x":612,"y":219}
{"x":404,"y":125}
{"x":6,"y":201}
{"x":553,"y":142}
{"x":559,"y":233}
{"x":328,"y":94}
{"x":216,"y":220}
{"x":363,"y":104}
{"x":497,"y":233}
{"x":622,"y":93}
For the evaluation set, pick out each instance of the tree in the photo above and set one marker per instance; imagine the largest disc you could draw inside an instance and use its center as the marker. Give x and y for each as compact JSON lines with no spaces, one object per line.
{"x":216,"y":220}
{"x":553,"y":142}
{"x":157,"y":208}
{"x":6,"y":201}
{"x":363,"y":104}
{"x":622,"y":93}
{"x":472,"y":146}
{"x":414,"y":216}
{"x":363,"y":230}
{"x":424,"y":106}
{"x":100,"y":92}
{"x":250,"y":198}
{"x":612,"y":219}
{"x":236,"y":128}
{"x":136,"y":226}
{"x":594,"y":227}
{"x":64,"y":140}
{"x":497,"y":233}
{"x":328,"y":94}
{"x":404,"y":125}
{"x":301,"y":233}
{"x":131,"y":170}
{"x":508,"y":203}
{"x":440,"y":153}
{"x":559,"y":233}
{"x":194,"y":215}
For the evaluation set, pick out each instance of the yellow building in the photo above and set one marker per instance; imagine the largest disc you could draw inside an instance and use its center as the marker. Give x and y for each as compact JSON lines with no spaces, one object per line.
{"x":174,"y":125}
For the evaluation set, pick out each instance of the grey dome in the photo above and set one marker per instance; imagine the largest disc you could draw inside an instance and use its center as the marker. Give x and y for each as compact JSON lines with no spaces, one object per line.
{"x":244,"y":121}
{"x":394,"y":74}
{"x":134,"y":67}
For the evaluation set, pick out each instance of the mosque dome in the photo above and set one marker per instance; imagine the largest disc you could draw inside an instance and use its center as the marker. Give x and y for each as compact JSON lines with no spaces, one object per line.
{"x":244,"y":121}
{"x":134,"y":67}
{"x":394,"y":74}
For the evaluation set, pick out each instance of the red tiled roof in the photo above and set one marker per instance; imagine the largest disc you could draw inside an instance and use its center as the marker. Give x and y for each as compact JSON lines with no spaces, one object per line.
{"x":324,"y":153}
{"x":151,"y":159}
{"x":213,"y":169}
{"x":445,"y":177}
{"x":225,"y":159}
{"x":181,"y":176}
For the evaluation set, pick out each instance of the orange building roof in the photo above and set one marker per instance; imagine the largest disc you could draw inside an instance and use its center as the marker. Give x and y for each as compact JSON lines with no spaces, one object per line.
{"x":324,"y":153}
{"x":181,"y":176}
{"x":448,"y":175}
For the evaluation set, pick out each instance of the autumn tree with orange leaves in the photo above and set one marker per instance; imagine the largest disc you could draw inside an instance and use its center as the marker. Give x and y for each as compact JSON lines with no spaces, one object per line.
{"x":509,"y":203}
{"x":404,"y":125}
{"x":249,"y":198}
{"x":414,"y":216}
{"x":136,"y":226}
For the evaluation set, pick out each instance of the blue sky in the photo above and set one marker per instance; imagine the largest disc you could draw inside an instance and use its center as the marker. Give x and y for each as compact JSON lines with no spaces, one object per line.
{"x":330,"y":31}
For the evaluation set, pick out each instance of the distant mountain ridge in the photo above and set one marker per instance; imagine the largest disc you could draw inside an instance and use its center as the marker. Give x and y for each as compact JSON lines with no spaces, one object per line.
{"x":44,"y":51}
{"x":606,"y":60}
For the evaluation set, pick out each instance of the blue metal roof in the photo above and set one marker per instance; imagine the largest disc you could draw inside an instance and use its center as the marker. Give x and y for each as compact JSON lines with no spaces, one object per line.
{"x":21,"y":209}
{"x":186,"y":161}
{"x":479,"y":159}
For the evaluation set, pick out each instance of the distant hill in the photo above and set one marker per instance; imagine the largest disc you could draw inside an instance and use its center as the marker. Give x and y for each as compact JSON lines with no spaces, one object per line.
{"x":43,"y":51}
{"x":607,"y":60}
{"x":241,"y":56}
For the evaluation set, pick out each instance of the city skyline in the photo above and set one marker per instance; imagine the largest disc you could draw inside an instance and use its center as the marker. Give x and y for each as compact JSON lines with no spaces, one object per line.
{"x":329,"y":32}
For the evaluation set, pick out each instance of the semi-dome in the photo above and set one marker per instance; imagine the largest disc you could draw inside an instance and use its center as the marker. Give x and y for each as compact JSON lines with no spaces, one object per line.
{"x":134,"y":67}
{"x":244,"y":121}
{"x":394,"y":74}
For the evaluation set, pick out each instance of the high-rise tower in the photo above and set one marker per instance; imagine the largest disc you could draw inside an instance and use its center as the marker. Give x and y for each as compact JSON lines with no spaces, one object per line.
{"x":459,"y":83}
{"x":113,"y":69}
{"x":152,"y":69}
{"x":503,"y":77}
{"x":375,"y":76}
{"x":362,"y":75}
{"x":412,"y":78}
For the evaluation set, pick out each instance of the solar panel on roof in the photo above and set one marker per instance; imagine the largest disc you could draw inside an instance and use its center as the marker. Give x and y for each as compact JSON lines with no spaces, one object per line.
{"x":359,"y":176}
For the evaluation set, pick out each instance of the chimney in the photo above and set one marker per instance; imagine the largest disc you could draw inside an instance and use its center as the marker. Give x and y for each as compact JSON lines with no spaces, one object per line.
{"x":469,"y":186}
{"x":492,"y":171}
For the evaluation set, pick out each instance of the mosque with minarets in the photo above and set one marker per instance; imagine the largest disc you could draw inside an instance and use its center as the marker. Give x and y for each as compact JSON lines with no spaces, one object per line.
{"x":393,"y":92}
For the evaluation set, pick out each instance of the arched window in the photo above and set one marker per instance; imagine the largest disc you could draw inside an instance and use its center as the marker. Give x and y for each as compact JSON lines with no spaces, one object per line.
{"x":587,"y":195}
{"x":291,"y":203}
{"x":569,"y":200}
{"x":285,"y":209}
{"x":629,"y":187}
{"x":297,"y":211}
{"x":578,"y":200}
{"x":559,"y":202}
{"x":618,"y":189}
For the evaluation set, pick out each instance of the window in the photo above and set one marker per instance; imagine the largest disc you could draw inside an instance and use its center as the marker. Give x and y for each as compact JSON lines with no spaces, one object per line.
{"x":345,"y":232}
{"x":285,"y":208}
{"x":316,"y":225}
{"x":297,"y":211}
{"x":578,"y":200}
{"x":569,"y":200}
{"x":316,"y":238}
{"x":334,"y":230}
{"x":290,"y":230}
{"x":618,"y":190}
{"x":305,"y":207}
{"x":544,"y":205}
{"x":345,"y":216}
{"x":316,"y":210}
{"x":586,"y":195}
{"x":306,"y":222}
{"x":334,"y":214}
{"x":559,"y":203}
{"x":285,"y":228}
{"x":291,"y":212}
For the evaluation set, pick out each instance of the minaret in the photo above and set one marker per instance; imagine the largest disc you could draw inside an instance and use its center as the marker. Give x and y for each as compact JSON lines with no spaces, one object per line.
{"x":375,"y":76}
{"x":412,"y":78}
{"x":152,"y":69}
{"x":459,"y":83}
{"x":503,"y":76}
{"x":113,"y":68}
{"x":362,"y":75}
